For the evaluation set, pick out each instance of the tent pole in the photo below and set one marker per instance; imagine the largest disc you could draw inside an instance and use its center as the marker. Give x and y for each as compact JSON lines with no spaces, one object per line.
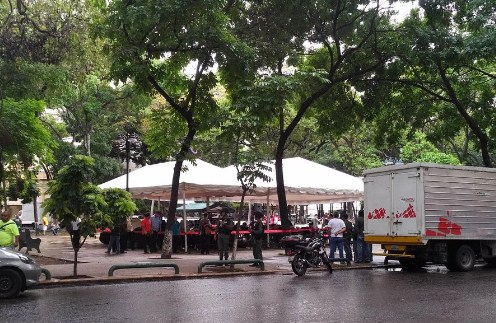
{"x":267,"y":221}
{"x":151,"y":207}
{"x":184,"y":219}
{"x":249,"y":213}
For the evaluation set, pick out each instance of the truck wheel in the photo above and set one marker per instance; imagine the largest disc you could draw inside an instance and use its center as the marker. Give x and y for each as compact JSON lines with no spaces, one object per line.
{"x":461,"y":260}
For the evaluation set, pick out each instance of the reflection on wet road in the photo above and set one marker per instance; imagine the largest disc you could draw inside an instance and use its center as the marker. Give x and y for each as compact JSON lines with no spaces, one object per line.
{"x":345,"y":296}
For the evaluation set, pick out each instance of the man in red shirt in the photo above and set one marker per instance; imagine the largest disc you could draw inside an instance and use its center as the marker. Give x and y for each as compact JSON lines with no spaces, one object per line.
{"x":146,"y":232}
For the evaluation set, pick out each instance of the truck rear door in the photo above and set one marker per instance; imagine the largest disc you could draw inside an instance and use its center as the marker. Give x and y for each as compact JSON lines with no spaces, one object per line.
{"x":405,"y":204}
{"x":378,"y":194}
{"x":391,"y":204}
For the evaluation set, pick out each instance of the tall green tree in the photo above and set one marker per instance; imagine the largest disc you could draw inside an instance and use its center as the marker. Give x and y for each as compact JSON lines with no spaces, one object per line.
{"x":445,"y":77}
{"x":74,"y":200}
{"x":22,"y":136}
{"x":421,"y":150}
{"x":169,"y":48}
{"x":345,"y":39}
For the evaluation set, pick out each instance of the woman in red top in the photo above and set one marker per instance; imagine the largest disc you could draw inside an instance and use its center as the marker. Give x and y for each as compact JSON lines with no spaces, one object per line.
{"x":146,"y":231}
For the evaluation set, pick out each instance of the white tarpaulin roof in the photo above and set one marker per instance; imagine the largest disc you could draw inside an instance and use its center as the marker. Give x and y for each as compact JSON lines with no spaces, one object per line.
{"x":306,"y":182}
{"x":197,"y":181}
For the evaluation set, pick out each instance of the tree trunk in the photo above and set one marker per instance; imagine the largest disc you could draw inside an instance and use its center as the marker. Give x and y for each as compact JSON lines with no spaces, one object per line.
{"x":281,"y":189}
{"x":238,"y":218}
{"x":76,"y":251}
{"x":283,"y":138}
{"x":476,"y":129}
{"x":167,"y":245}
{"x":2,"y":180}
{"x":185,"y":147}
{"x":35,"y":213}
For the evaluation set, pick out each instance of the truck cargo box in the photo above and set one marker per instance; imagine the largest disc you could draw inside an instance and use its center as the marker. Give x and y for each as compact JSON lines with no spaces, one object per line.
{"x":417,"y":203}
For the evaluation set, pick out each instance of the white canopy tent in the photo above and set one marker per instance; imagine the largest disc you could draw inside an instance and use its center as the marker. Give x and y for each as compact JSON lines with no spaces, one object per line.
{"x":306,"y":182}
{"x":200,"y":180}
{"x":196,"y":181}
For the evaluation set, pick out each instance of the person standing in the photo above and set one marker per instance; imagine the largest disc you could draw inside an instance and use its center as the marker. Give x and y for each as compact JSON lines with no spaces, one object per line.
{"x":44,"y":223}
{"x":75,"y":232}
{"x":176,"y":235}
{"x":18,"y":220}
{"x":224,"y":229}
{"x":363,"y":253}
{"x":146,"y":231}
{"x":9,"y":232}
{"x":124,"y":235}
{"x":257,"y":232}
{"x":156,"y":220}
{"x":336,"y":230}
{"x":347,"y":235}
{"x":115,"y":239}
{"x":205,"y":230}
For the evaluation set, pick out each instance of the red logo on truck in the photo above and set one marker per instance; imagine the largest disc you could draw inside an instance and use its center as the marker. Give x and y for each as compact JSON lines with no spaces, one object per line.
{"x":445,"y":227}
{"x":377,"y":214}
{"x":408,"y":213}
{"x":381,"y":213}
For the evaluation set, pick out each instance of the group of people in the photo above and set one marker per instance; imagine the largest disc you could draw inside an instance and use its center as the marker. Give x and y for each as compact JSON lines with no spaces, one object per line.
{"x":124,"y":235}
{"x":341,"y":234}
{"x":150,"y":229}
{"x":223,"y":235}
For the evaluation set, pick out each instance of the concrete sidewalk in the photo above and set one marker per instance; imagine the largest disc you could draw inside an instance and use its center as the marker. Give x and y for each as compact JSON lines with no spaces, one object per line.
{"x":94,"y":264}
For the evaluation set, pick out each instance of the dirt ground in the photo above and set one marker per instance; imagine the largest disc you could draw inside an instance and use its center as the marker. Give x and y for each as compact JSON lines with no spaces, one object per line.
{"x":44,"y":261}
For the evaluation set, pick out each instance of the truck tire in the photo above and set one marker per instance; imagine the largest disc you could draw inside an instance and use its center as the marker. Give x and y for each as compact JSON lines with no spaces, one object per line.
{"x":463,"y":259}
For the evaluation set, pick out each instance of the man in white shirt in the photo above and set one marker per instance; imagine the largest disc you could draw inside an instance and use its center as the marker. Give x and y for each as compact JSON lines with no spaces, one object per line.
{"x":336,"y":229}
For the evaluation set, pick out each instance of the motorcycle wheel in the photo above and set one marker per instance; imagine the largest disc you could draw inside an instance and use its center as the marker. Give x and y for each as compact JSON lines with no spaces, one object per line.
{"x":298,"y":265}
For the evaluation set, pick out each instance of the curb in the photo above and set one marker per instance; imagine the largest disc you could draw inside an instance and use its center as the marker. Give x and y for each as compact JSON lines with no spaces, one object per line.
{"x":56,"y":283}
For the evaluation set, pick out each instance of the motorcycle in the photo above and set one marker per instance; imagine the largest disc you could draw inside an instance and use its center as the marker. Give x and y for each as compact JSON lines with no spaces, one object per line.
{"x":310,"y":255}
{"x":289,"y":243}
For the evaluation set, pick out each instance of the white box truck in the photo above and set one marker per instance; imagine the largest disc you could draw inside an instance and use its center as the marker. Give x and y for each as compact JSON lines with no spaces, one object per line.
{"x":27,"y":215}
{"x":423,"y":212}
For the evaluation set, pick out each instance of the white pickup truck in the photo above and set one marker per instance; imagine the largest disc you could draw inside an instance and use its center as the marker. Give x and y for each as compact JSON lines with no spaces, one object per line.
{"x":423,"y":212}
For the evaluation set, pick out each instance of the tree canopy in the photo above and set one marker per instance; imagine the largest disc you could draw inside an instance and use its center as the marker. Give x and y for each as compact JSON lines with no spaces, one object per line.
{"x":338,"y":82}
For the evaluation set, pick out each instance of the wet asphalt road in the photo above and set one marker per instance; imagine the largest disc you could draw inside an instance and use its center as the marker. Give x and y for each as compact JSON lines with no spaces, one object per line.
{"x":345,"y":296}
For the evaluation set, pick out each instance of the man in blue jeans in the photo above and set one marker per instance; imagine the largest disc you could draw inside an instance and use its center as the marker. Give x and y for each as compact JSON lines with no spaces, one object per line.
{"x":363,"y":250}
{"x":336,"y":230}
